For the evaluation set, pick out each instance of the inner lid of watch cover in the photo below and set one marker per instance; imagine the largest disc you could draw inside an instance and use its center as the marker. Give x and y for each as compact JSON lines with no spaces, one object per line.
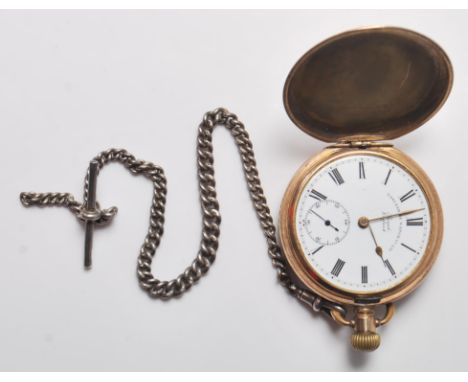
{"x":368,"y":84}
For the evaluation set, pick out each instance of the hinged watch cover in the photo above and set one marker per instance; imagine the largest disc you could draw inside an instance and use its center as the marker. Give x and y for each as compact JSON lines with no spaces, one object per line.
{"x":368,"y":84}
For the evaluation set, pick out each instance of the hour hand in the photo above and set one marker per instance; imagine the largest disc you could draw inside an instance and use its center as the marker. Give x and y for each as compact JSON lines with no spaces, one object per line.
{"x":363,"y":222}
{"x":378,"y":248}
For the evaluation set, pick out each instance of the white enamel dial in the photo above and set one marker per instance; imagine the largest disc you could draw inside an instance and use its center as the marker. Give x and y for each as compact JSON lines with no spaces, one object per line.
{"x":370,"y":257}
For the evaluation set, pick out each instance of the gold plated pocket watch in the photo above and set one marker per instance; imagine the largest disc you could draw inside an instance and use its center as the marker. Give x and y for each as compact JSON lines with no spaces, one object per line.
{"x":361,"y":223}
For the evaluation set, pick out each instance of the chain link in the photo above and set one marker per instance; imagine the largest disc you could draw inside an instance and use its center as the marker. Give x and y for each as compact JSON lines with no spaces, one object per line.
{"x":211,"y":217}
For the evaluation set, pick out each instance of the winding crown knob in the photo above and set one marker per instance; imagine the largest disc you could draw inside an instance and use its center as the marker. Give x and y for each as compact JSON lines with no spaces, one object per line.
{"x":365,"y":341}
{"x":365,"y":324}
{"x":365,"y":337}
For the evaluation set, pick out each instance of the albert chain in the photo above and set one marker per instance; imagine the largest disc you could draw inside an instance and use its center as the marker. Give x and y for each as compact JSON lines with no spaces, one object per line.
{"x":91,"y":214}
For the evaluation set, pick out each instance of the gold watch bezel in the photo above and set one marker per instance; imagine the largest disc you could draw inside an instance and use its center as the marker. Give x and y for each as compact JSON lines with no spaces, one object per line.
{"x":297,"y":259}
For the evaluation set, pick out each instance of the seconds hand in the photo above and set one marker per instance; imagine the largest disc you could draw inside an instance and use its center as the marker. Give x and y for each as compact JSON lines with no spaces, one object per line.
{"x":327,"y":222}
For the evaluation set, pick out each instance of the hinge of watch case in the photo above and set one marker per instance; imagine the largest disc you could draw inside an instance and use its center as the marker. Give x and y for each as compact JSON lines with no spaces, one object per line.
{"x":360,"y":144}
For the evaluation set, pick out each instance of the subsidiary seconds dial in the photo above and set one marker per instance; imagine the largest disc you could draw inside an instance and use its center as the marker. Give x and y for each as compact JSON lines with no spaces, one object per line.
{"x":363,"y":223}
{"x":326,"y":222}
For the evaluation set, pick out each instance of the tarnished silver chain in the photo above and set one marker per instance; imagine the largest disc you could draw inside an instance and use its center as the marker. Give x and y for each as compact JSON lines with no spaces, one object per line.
{"x":64,"y":199}
{"x":210,"y":211}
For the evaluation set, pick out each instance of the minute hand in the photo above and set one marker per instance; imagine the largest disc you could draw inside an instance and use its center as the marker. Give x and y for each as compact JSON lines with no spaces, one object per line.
{"x":395,"y":215}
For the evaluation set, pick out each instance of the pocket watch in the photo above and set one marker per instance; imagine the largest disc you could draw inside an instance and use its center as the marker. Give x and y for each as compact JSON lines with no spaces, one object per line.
{"x":361,"y":223}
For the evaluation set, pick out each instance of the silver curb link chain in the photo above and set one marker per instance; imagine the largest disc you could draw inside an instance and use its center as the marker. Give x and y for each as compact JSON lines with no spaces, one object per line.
{"x":211,"y":217}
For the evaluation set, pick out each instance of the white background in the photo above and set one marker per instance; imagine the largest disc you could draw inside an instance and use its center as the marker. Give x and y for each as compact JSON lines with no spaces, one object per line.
{"x":73,"y":83}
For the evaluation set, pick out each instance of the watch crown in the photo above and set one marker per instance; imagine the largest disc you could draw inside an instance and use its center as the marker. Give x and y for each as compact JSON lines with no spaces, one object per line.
{"x":366,"y":341}
{"x":365,"y":337}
